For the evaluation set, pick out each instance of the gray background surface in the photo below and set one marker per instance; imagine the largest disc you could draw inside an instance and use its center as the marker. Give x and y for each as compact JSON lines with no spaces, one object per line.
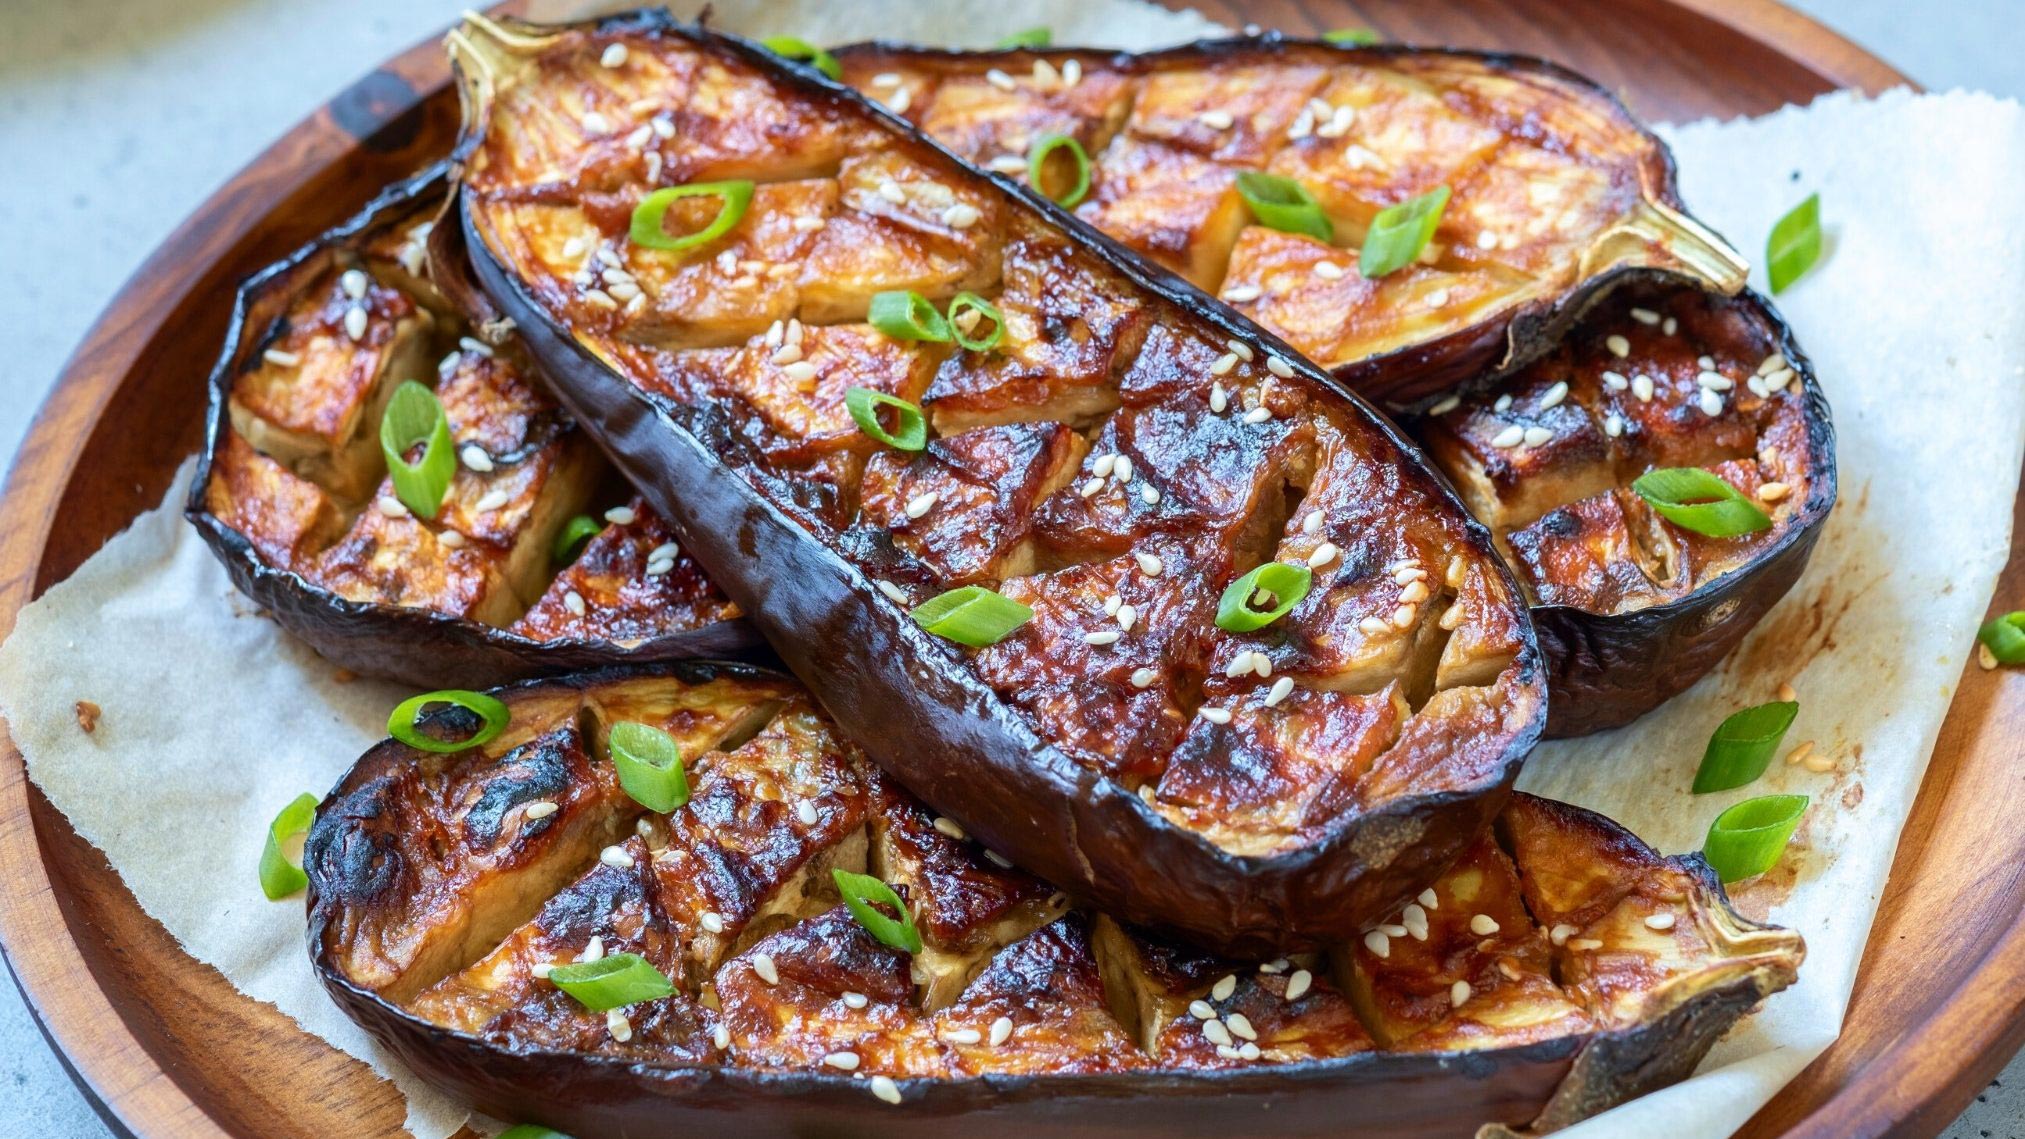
{"x":118,"y":117}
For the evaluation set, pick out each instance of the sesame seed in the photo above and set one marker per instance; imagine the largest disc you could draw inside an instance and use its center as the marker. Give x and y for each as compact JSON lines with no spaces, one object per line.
{"x":786,"y":354}
{"x":842,"y":1061}
{"x":1072,"y":72}
{"x":1618,"y":345}
{"x":1092,"y":487}
{"x":1645,"y":316}
{"x":1715,"y":381}
{"x":1459,"y":994}
{"x":1711,"y":403}
{"x":1437,"y":298}
{"x":1669,"y":326}
{"x":1258,"y":415}
{"x":1538,"y":436}
{"x":1242,"y":293}
{"x":354,"y":283}
{"x":475,"y":458}
{"x":1407,"y":575}
{"x":1149,"y":494}
{"x":1224,"y":987}
{"x":1787,"y":693}
{"x":1503,"y":404}
{"x":594,"y":950}
{"x":1297,"y":985}
{"x":1044,"y":74}
{"x":1312,"y":524}
{"x":1149,"y":564}
{"x":711,"y":921}
{"x":355,"y":323}
{"x":1226,"y":1052}
{"x":1219,"y":400}
{"x":1001,"y":1030}
{"x":540,"y":809}
{"x":1000,"y":80}
{"x":1122,"y":469}
{"x":1486,"y":239}
{"x":641,"y":135}
{"x":1328,"y":270}
{"x":1111,"y":604}
{"x":1378,"y":943}
{"x":1483,"y":925}
{"x":541,"y":969}
{"x":1240,"y":349}
{"x":1393,"y":929}
{"x":1659,"y":921}
{"x":1216,"y":120}
{"x":617,"y":1024}
{"x":1427,"y":898}
{"x":921,"y":504}
{"x":1279,"y":367}
{"x":1414,"y":593}
{"x":1201,"y":1010}
{"x":962,"y":215}
{"x":1613,"y":425}
{"x":1144,"y":677}
{"x":1240,"y":1026}
{"x":1615,"y":381}
{"x":963,"y":1036}
{"x":574,"y":602}
{"x":1706,"y":361}
{"x":452,"y":539}
{"x":1510,"y":437}
{"x":391,"y":507}
{"x":1276,"y":965}
{"x":1372,"y":626}
{"x":599,"y":298}
{"x":1214,"y":714}
{"x":884,"y":1088}
{"x":800,"y":370}
{"x":1282,"y":688}
{"x":893,"y":592}
{"x":1223,"y":364}
{"x":950,"y":828}
{"x":595,"y":123}
{"x":1262,"y":664}
{"x":1103,"y":464}
{"x":1452,"y":617}
{"x":1641,"y":387}
{"x":614,"y":56}
{"x":1323,"y":555}
{"x":1001,"y":861}
{"x":281,"y":359}
{"x":1773,"y":491}
{"x":1102,"y":637}
{"x":620,"y":516}
{"x":616,"y":857}
{"x":1984,"y":658}
{"x":1560,"y":934}
{"x":1583,"y":944}
{"x":1216,"y":1032}
{"x":1126,"y":615}
{"x":856,"y":1000}
{"x":663,"y":126}
{"x":805,"y":813}
{"x":901,"y":100}
{"x":1554,"y":395}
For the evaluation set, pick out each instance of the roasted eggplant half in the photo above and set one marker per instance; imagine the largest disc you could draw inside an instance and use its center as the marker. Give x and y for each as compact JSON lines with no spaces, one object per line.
{"x":1556,"y":192}
{"x":1632,"y":608}
{"x":292,"y":493}
{"x":1121,"y":454}
{"x":1559,"y":967}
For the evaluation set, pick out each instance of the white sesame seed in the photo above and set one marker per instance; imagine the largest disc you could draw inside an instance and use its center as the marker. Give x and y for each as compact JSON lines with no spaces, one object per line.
{"x":1242,"y":294}
{"x":541,"y":969}
{"x":620,"y":516}
{"x":1459,"y":994}
{"x":785,"y":354}
{"x":1483,"y":925}
{"x":1659,"y":921}
{"x":893,"y":592}
{"x":1298,"y":983}
{"x":1001,"y":1030}
{"x":762,"y":965}
{"x":1101,"y":467}
{"x":1773,"y":491}
{"x":1378,"y":943}
{"x":1560,"y":934}
{"x":842,"y":1061}
{"x":1044,"y":74}
{"x":1414,"y":593}
{"x":805,"y":813}
{"x":1240,"y":349}
{"x":921,"y":504}
{"x":1618,"y":345}
{"x":452,"y":539}
{"x":1706,"y":361}
{"x":1279,"y":367}
{"x":616,"y":857}
{"x":617,"y":1024}
{"x":1436,"y":298}
{"x":1393,"y":930}
{"x":1538,"y":436}
{"x":1711,"y":403}
{"x":1323,"y":555}
{"x":354,"y":283}
{"x":885,"y":1089}
{"x":1224,"y":987}
{"x":1111,"y":604}
{"x":1510,"y":437}
{"x":595,"y":123}
{"x":1000,"y":80}
{"x":711,"y":921}
{"x":1262,"y":665}
{"x":1715,"y":381}
{"x":1258,"y":415}
{"x":1427,"y":898}
{"x":1240,"y":1026}
{"x":663,"y":126}
{"x":1328,"y":270}
{"x":1214,"y":714}
{"x":856,"y":1000}
{"x":1126,"y":615}
{"x":1102,"y":637}
{"x":491,"y":500}
{"x":615,"y":55}
{"x":1554,"y":395}
{"x":1669,"y":325}
{"x":1122,"y":469}
{"x":1613,"y":425}
{"x":962,"y":215}
{"x":1144,"y":677}
{"x":574,"y":602}
{"x":1486,"y":239}
{"x":1225,"y":1051}
{"x":641,"y":135}
{"x":1282,"y":688}
{"x":963,"y":1036}
{"x":281,"y":359}
{"x":540,"y":809}
{"x":1641,"y":387}
{"x":1403,"y":616}
{"x":1372,"y":626}
{"x":1201,"y":1009}
{"x":594,"y":950}
{"x":1615,"y":381}
{"x":1216,"y":120}
{"x":1645,"y":316}
{"x":799,"y":371}
{"x":1223,"y":364}
{"x":391,"y":507}
{"x":1149,"y":564}
{"x":355,"y":323}
{"x":1090,"y":488}
{"x":950,"y":828}
{"x":1072,"y":72}
{"x":1149,"y":494}
{"x":1219,"y":400}
{"x":1216,"y":1033}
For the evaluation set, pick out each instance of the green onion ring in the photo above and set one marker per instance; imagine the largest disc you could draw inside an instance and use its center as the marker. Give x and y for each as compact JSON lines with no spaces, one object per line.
{"x":1698,"y":500}
{"x":860,"y":892}
{"x":612,"y":981}
{"x":2005,"y":637}
{"x":1400,"y":232}
{"x":1747,"y":839}
{"x":1037,"y":161}
{"x":531,"y":1131}
{"x":414,"y":415}
{"x":1743,"y":745}
{"x":864,"y":405}
{"x":972,"y":615}
{"x":1284,"y":204}
{"x":801,"y":50}
{"x":985,"y":310}
{"x":574,"y":534}
{"x":278,"y":876}
{"x":649,"y":763}
{"x":1351,"y":37}
{"x":492,"y":716}
{"x":904,"y":314}
{"x":1030,"y":37}
{"x":1794,"y":244}
{"x":1286,"y":581}
{"x":647,"y":231}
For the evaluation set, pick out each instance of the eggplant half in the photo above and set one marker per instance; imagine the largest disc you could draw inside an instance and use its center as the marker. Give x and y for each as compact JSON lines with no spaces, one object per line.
{"x":1559,"y":967}
{"x":1630,"y":607}
{"x":1123,"y":454}
{"x":1557,"y":193}
{"x":292,"y":492}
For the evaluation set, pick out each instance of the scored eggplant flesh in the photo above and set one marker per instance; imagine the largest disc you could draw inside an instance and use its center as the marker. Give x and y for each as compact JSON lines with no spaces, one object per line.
{"x":1126,"y":452}
{"x":295,"y":498}
{"x":1559,"y":960}
{"x":1558,"y":193}
{"x":1631,"y":607}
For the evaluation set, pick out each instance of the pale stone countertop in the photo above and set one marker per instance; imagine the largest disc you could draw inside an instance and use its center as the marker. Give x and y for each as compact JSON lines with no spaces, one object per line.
{"x":117,"y":117}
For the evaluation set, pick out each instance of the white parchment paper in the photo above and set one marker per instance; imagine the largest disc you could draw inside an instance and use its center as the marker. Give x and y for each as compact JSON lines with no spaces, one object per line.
{"x":1914,"y":319}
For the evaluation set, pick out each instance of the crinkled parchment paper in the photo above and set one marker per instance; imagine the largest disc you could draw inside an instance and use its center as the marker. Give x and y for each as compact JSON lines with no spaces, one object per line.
{"x":1913,"y":317}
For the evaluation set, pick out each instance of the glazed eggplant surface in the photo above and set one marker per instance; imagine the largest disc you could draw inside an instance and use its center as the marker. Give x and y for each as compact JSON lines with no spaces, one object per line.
{"x":1560,"y":961}
{"x":1123,"y":454}
{"x":1631,"y":607}
{"x":1557,"y":192}
{"x":294,"y":495}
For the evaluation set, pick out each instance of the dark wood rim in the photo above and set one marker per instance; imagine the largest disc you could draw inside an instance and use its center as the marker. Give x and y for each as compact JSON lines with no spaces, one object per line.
{"x":1912,"y":1084}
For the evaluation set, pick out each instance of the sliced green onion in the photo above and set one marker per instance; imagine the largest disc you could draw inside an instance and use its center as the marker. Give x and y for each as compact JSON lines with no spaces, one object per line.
{"x":649,"y":763}
{"x":790,"y":47}
{"x":492,"y":716}
{"x":1747,"y":839}
{"x":1037,"y":164}
{"x":611,"y":982}
{"x":1031,"y":37}
{"x":1352,"y":37}
{"x":574,"y":534}
{"x":1287,"y":583}
{"x":1743,"y":746}
{"x":531,"y":1131}
{"x":985,"y":311}
{"x":647,"y":227}
{"x":278,"y":876}
{"x":860,"y":891}
{"x":904,"y":314}
{"x":1284,"y":204}
{"x":1697,"y":500}
{"x":911,"y":432}
{"x":972,"y":615}
{"x":414,"y":415}
{"x":1400,"y":232}
{"x":2005,"y":637}
{"x":1795,"y":243}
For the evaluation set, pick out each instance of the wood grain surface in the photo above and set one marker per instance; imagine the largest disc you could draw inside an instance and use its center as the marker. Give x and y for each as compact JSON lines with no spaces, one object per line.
{"x":166,"y":1047}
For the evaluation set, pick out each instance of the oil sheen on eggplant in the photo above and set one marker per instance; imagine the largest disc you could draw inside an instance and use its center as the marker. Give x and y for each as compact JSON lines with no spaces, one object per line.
{"x":1632,"y":609}
{"x":292,"y":493}
{"x":1558,"y":193}
{"x":1559,"y":967}
{"x":1128,"y":450}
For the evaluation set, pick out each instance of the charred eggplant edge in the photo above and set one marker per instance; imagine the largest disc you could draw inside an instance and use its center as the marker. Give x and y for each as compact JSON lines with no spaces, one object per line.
{"x":1419,"y":374}
{"x":412,"y":645}
{"x":1095,"y":839}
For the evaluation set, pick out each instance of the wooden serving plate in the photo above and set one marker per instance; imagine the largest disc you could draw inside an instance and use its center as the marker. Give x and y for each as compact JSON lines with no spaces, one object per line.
{"x":164,"y":1046}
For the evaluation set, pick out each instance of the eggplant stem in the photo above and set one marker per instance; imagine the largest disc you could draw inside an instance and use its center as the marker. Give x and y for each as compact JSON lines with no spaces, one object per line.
{"x":1657,"y":236}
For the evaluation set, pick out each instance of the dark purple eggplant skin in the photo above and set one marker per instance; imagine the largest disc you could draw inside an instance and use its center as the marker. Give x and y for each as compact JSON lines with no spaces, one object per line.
{"x":907,"y":697}
{"x":415,"y":646}
{"x":1605,"y":670}
{"x":1418,"y":374}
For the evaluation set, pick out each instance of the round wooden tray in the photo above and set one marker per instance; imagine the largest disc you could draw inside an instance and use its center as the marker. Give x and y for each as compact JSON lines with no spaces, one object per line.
{"x":164,"y":1046}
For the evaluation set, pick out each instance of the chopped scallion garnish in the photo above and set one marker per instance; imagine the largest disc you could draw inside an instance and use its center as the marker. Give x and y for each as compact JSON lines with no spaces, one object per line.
{"x":612,"y":981}
{"x":1746,"y":840}
{"x":1031,"y":37}
{"x":1795,"y":243}
{"x":802,"y":51}
{"x":280,"y":877}
{"x":1284,"y":204}
{"x":1698,"y":500}
{"x":972,"y":615}
{"x":531,"y":1131}
{"x":1400,"y":232}
{"x":910,"y":427}
{"x":1285,"y":584}
{"x":1037,"y":169}
{"x":649,"y":763}
{"x":863,"y":894}
{"x":2005,"y":637}
{"x":1743,"y":746}
{"x":904,"y":314}
{"x":647,"y":228}
{"x":1352,"y":37}
{"x":986,"y":311}
{"x":491,"y":716}
{"x":574,"y":534}
{"x":414,"y":415}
